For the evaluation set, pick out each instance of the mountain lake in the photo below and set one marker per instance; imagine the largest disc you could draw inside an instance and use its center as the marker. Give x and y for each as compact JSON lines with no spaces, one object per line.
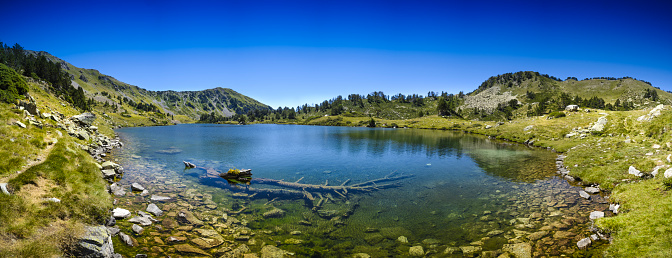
{"x":348,"y":191}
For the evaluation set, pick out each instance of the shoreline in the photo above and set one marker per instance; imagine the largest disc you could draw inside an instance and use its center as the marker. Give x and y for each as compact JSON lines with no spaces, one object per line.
{"x":558,"y":167}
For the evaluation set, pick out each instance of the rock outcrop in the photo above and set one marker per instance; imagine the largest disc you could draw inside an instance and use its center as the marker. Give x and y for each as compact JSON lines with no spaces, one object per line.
{"x":652,"y":114}
{"x":96,"y":242}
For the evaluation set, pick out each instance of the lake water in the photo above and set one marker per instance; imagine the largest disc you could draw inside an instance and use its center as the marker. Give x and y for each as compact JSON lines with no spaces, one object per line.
{"x":465,"y":193}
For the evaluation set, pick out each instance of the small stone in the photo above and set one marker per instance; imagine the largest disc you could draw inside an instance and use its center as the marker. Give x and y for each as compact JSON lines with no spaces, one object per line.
{"x":137,"y":229}
{"x":142,"y":220}
{"x":583,"y":243}
{"x":402,"y":239}
{"x":108,"y":173}
{"x":109,"y":165}
{"x":117,"y":189}
{"x":584,"y":195}
{"x":52,"y":199}
{"x":592,"y":190}
{"x":668,"y":173}
{"x":22,"y":125}
{"x":111,"y":221}
{"x":614,"y":207}
{"x":3,"y":186}
{"x":416,"y":251}
{"x":596,"y":215}
{"x":633,"y":171}
{"x":120,"y":213}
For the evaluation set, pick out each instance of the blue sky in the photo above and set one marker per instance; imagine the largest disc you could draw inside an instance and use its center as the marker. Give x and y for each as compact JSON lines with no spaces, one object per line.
{"x":287,"y":53}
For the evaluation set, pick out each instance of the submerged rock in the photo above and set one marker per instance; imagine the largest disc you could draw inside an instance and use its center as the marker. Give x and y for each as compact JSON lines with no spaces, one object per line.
{"x":153,"y":209}
{"x":537,"y":235}
{"x":520,"y":250}
{"x":402,"y":239}
{"x":274,"y":213}
{"x":186,"y":217}
{"x":207,"y":243}
{"x":584,"y":195}
{"x":142,"y":220}
{"x":470,"y":250}
{"x":157,"y":198}
{"x":128,"y":240}
{"x":416,"y":251}
{"x":137,"y":187}
{"x":327,"y":214}
{"x":269,"y":251}
{"x":583,"y":243}
{"x":137,"y":229}
{"x":188,"y":249}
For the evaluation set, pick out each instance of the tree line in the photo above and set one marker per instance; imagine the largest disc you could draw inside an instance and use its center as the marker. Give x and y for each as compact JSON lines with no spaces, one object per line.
{"x":39,"y":68}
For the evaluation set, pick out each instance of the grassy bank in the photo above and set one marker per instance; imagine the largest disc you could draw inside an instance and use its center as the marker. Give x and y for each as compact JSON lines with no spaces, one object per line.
{"x":45,"y":162}
{"x":31,"y":225}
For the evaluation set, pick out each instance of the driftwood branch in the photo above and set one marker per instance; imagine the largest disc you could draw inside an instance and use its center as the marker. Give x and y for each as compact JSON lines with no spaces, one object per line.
{"x":307,"y":191}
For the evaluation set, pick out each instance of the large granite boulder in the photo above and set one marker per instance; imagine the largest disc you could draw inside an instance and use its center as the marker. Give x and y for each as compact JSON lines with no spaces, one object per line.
{"x":85,"y":119}
{"x":97,"y":242}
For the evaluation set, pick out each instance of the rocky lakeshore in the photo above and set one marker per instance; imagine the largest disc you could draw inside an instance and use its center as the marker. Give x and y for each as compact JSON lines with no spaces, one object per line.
{"x":162,"y":212}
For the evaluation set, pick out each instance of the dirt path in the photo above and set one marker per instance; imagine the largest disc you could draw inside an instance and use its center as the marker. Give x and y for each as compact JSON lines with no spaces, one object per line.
{"x":41,"y":157}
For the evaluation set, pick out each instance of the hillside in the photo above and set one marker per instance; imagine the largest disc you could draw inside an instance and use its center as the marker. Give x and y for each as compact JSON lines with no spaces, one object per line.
{"x":502,"y":88}
{"x":124,"y":98}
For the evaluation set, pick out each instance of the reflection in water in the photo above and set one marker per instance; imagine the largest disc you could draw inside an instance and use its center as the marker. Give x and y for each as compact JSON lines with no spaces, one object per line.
{"x":466,"y":190}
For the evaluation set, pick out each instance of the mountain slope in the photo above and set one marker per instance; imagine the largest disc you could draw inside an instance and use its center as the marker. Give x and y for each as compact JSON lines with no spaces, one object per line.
{"x":123,"y":97}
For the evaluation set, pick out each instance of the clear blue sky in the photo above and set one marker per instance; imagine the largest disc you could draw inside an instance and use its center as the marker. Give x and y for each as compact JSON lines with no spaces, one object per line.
{"x":287,"y":53}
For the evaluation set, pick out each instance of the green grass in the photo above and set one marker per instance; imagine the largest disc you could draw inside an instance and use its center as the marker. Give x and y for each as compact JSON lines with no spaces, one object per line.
{"x":644,"y":229}
{"x":17,"y":145}
{"x":68,"y":174}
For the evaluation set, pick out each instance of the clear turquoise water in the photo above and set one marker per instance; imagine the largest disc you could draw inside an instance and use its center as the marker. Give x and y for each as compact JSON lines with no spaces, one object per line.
{"x":458,"y":179}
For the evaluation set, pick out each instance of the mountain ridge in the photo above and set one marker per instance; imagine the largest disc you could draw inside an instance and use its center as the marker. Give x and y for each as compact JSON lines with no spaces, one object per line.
{"x":222,"y":101}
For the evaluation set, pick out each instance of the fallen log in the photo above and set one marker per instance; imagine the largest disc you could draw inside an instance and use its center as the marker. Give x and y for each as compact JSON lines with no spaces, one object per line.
{"x":304,"y":190}
{"x":364,"y":187}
